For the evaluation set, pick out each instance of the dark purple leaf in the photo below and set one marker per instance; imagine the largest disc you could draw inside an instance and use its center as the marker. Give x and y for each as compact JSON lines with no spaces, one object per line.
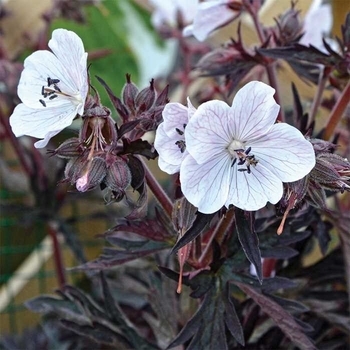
{"x":289,"y":305}
{"x":280,"y":316}
{"x":126,"y":127}
{"x":275,"y":283}
{"x":139,"y":147}
{"x":249,"y":240}
{"x":231,"y":319}
{"x":279,"y":252}
{"x":322,"y":233}
{"x":199,"y":225}
{"x":345,"y":28}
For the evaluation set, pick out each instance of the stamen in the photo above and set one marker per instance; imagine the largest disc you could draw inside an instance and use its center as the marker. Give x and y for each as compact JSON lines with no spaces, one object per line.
{"x":52,"y":81}
{"x":179,"y":131}
{"x":42,"y":102}
{"x":182,"y":145}
{"x":52,"y":97}
{"x":57,"y":88}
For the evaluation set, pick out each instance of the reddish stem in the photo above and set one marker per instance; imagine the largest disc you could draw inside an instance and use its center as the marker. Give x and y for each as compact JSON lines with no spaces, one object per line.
{"x":337,"y":112}
{"x":157,"y":190}
{"x":60,"y":271}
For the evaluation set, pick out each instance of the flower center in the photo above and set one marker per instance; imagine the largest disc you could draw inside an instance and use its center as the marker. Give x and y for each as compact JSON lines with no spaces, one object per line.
{"x":237,"y":151}
{"x":181,"y":143}
{"x":51,"y":91}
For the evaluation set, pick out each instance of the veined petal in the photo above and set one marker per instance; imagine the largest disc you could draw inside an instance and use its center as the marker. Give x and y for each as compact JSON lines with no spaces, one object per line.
{"x":254,"y":111}
{"x":169,"y":152}
{"x":175,"y":116}
{"x":40,"y":122}
{"x":190,"y":108}
{"x":207,"y":131}
{"x":37,"y":68}
{"x":285,"y":152}
{"x":206,"y":185}
{"x":69,"y":49}
{"x":47,"y":138}
{"x":252,"y":191}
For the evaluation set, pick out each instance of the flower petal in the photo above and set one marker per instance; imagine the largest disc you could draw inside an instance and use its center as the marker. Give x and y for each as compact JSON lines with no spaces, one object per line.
{"x":47,"y":138}
{"x":285,"y":152}
{"x":175,"y":116}
{"x":206,"y":185}
{"x":252,"y":191}
{"x":69,"y":49}
{"x":254,"y":111}
{"x":37,"y":68}
{"x":40,"y":122}
{"x":211,"y":15}
{"x":206,"y":134}
{"x":169,"y":152}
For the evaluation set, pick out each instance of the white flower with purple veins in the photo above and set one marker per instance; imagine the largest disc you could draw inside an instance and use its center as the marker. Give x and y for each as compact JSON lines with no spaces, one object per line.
{"x":238,"y":155}
{"x":170,"y":136}
{"x":211,"y":15}
{"x":53,"y":88}
{"x":165,"y":11}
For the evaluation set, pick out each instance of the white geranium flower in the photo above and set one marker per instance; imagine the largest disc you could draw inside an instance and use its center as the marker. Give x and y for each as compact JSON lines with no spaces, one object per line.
{"x":211,"y":15}
{"x":238,"y":155}
{"x":170,"y":136}
{"x":165,"y":11}
{"x":53,"y":88}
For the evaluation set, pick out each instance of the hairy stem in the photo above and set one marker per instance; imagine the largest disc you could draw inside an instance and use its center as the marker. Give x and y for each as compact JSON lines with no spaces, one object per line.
{"x":157,"y":190}
{"x":337,"y":112}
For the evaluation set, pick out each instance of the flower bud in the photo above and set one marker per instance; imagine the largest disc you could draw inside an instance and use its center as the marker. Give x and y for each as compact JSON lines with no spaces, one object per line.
{"x":69,"y":149}
{"x":219,"y":60}
{"x":93,"y":175}
{"x":145,"y":98}
{"x":290,"y":26}
{"x":129,"y":93}
{"x":118,"y":176}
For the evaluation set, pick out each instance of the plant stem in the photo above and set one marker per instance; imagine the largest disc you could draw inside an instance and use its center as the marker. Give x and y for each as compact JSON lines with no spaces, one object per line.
{"x":322,"y":80}
{"x":270,"y":67}
{"x":337,"y":112}
{"x":219,"y":232}
{"x":157,"y":190}
{"x":60,"y":272}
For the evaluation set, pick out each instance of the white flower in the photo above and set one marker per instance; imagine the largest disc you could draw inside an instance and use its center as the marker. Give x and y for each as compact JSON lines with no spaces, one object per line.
{"x":165,"y":11}
{"x":170,"y":136}
{"x":238,"y":155}
{"x":53,"y":88}
{"x":318,"y":22}
{"x":211,"y":15}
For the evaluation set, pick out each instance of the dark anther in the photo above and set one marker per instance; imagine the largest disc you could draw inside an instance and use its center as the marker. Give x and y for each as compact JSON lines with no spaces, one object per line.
{"x":43,"y":90}
{"x":179,"y":131}
{"x":239,"y":150}
{"x":181,"y":144}
{"x":234,"y":162}
{"x":52,"y":97}
{"x":241,"y":161}
{"x":52,"y":81}
{"x":184,"y":125}
{"x":242,"y":170}
{"x":248,"y":150}
{"x":42,"y":102}
{"x":56,"y":87}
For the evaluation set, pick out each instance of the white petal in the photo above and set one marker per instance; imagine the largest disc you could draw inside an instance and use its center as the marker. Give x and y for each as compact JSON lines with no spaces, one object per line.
{"x":40,"y":122}
{"x":175,"y":115}
{"x":169,"y":152}
{"x":211,"y":15}
{"x":254,"y":111}
{"x":69,"y":49}
{"x":168,"y":168}
{"x":206,"y":185}
{"x":252,"y":191}
{"x":45,"y":141}
{"x":37,"y":68}
{"x":207,"y":131}
{"x":285,"y":152}
{"x":188,"y":30}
